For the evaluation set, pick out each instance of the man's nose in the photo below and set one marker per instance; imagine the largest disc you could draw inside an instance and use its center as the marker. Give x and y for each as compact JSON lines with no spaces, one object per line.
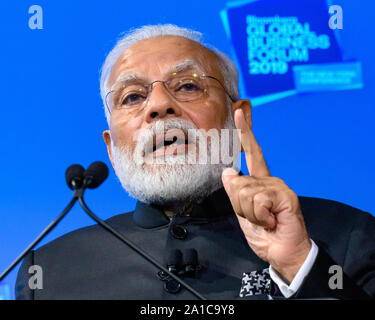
{"x":161,"y":104}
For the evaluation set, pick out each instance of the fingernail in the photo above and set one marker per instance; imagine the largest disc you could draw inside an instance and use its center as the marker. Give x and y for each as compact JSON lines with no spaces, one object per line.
{"x":230,"y":172}
{"x":238,"y":111}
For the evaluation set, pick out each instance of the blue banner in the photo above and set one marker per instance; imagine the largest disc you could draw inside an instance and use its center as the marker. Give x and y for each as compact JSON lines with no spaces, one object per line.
{"x":271,"y":38}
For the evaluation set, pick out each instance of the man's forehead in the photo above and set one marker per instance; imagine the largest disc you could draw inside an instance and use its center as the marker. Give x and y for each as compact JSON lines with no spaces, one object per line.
{"x":162,"y":55}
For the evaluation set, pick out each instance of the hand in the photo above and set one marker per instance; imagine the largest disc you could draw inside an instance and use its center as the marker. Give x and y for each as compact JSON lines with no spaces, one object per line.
{"x":268,"y":211}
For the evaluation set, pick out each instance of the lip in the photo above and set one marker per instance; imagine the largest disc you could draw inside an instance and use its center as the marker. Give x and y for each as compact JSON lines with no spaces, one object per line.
{"x":171,"y":150}
{"x":171,"y":137}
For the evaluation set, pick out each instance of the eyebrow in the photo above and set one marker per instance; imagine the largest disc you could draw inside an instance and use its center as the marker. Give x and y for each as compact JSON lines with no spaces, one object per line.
{"x":127,"y":77}
{"x":181,"y":66}
{"x":185,"y":65}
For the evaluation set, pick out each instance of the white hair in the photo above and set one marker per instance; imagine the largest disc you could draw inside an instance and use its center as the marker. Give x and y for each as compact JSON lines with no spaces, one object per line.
{"x":226,"y":65}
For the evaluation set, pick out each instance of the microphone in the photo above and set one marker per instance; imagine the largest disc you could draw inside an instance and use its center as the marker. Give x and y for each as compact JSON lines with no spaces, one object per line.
{"x":175,"y":265}
{"x":174,"y":262}
{"x":74,"y":176}
{"x":95,"y":175}
{"x":190,"y":262}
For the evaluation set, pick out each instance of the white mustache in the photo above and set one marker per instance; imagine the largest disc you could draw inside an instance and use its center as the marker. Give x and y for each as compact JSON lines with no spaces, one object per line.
{"x":145,"y":137}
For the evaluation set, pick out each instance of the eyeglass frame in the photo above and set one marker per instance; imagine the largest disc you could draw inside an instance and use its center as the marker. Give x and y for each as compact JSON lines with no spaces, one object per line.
{"x":150,"y":86}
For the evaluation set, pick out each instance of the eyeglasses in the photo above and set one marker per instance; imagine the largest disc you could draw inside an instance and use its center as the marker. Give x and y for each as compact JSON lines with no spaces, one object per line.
{"x":186,"y":87}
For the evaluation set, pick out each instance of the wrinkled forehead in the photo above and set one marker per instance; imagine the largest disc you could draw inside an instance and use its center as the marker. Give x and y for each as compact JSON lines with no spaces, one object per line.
{"x":158,"y":57}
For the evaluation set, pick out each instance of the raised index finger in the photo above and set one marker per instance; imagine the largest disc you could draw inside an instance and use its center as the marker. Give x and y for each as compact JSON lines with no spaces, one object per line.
{"x":254,"y":156}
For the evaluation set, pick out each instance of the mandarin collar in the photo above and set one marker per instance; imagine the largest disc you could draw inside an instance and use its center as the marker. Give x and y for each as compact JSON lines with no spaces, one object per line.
{"x":215,"y":206}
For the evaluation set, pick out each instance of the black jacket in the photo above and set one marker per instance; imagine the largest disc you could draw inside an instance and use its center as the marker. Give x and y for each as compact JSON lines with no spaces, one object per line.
{"x":90,"y":263}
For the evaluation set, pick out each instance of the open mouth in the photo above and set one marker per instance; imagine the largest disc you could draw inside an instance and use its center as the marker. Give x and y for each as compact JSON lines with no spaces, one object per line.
{"x":168,"y":138}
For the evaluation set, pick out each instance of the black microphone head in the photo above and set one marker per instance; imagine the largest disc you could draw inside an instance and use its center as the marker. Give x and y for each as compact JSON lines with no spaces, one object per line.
{"x":74,"y":176}
{"x":190,"y":262}
{"x":95,"y":174}
{"x":175,"y":259}
{"x":190,"y":257}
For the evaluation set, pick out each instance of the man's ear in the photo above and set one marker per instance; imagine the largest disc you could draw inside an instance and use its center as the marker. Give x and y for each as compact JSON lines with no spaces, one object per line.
{"x":107,"y":139}
{"x":245,"y":105}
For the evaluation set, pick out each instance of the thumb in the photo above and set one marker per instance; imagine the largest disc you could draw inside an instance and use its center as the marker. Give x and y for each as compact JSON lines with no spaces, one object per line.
{"x":227,"y":176}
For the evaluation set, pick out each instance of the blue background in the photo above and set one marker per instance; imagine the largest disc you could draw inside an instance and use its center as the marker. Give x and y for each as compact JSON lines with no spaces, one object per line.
{"x":321,"y":144}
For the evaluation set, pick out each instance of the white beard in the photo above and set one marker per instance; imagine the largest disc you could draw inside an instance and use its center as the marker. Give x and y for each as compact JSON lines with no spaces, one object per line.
{"x":175,"y":181}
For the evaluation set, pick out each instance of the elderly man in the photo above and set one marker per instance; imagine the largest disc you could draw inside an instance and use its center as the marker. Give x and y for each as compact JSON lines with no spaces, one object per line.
{"x":164,"y":92}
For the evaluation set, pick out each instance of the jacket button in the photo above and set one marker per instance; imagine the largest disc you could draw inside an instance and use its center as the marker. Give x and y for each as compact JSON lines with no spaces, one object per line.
{"x":172,"y":286}
{"x":179,"y":232}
